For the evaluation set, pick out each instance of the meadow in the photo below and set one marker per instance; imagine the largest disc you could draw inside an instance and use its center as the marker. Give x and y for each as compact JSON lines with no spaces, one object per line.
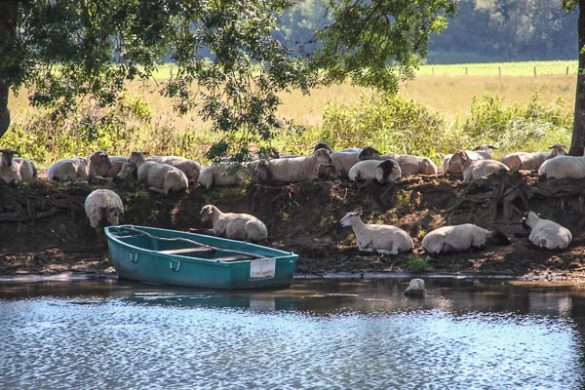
{"x":438,"y":111}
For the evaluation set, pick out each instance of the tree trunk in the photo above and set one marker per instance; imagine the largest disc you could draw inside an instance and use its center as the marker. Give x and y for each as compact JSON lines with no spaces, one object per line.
{"x":7,"y":37}
{"x":578,"y":141}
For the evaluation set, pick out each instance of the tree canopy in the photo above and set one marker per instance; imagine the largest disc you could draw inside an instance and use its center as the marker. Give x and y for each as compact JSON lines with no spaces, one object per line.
{"x":231,"y":57}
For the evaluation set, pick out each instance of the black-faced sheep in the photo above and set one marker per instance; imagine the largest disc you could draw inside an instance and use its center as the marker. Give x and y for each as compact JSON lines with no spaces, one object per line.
{"x":103,"y":205}
{"x":237,"y":226}
{"x":460,"y":238}
{"x":384,"y":239}
{"x":381,"y":172}
{"x":409,"y":165}
{"x":545,"y":233}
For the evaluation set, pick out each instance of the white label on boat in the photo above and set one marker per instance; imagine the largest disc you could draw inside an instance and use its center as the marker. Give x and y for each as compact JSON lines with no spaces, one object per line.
{"x":262,"y":268}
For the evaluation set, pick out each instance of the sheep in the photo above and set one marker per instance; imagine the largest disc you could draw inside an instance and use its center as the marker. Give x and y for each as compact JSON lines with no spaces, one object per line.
{"x":482,"y":152}
{"x":222,"y":174}
{"x":237,"y":226}
{"x":103,"y":205}
{"x":79,"y":168}
{"x":343,"y":160}
{"x":562,"y":167}
{"x":384,"y":239}
{"x":158,"y":177}
{"x":409,"y":165}
{"x":416,"y":288}
{"x":294,"y":169}
{"x":476,"y":169}
{"x":459,"y":238}
{"x":116,"y":162}
{"x":381,"y":172}
{"x":16,"y":170}
{"x":531,"y":161}
{"x":546,"y":233}
{"x":191,"y":168}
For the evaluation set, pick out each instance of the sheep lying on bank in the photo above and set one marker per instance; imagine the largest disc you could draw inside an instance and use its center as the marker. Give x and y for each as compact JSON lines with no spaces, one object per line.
{"x":546,"y":233}
{"x":116,"y":164}
{"x":460,"y":238}
{"x":16,"y":170}
{"x":238,"y":226}
{"x":102,"y":205}
{"x":343,"y":159}
{"x":158,"y":177}
{"x":381,"y":172}
{"x":562,"y":167}
{"x":384,"y":239}
{"x":531,"y":161}
{"x":222,"y":175}
{"x":409,"y":165}
{"x":190,"y":168}
{"x":294,"y":169}
{"x":476,"y":169}
{"x":79,"y":168}
{"x":482,"y":152}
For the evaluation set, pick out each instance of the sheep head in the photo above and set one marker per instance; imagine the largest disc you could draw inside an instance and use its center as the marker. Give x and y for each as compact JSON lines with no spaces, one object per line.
{"x":137,"y":158}
{"x":208,"y":212}
{"x":7,"y":156}
{"x":128,"y":172}
{"x":485,"y":148}
{"x":387,"y":167}
{"x":557,"y":150}
{"x":113,"y":215}
{"x":530,"y":219}
{"x":328,"y":171}
{"x":460,"y":158}
{"x":350,"y":218}
{"x":100,"y":159}
{"x":369,"y":153}
{"x":323,"y":156}
{"x":428,"y":167}
{"x":322,"y":145}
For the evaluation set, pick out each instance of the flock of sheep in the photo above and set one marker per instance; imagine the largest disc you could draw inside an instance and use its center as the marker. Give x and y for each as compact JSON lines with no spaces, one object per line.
{"x":163,"y":174}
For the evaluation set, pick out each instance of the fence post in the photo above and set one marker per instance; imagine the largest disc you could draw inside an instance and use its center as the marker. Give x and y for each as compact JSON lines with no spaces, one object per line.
{"x":567,"y":71}
{"x":466,"y":70}
{"x":433,"y":71}
{"x":534,"y":70}
{"x":499,"y":71}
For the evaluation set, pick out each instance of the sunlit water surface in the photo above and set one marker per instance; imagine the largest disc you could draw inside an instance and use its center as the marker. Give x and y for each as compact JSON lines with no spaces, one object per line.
{"x":317,"y":334}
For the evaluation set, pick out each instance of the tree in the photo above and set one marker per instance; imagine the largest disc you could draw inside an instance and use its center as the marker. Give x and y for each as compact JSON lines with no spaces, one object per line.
{"x":578,"y":139}
{"x":230,"y":62}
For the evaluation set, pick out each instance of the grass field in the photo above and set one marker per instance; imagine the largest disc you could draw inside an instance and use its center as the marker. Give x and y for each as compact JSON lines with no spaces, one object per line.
{"x":448,"y":96}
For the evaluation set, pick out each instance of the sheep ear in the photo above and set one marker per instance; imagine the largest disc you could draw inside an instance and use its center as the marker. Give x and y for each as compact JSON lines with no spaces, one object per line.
{"x":492,"y":147}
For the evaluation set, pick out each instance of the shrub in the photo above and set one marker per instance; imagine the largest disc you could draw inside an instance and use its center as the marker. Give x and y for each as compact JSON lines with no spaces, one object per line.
{"x":418,"y":263}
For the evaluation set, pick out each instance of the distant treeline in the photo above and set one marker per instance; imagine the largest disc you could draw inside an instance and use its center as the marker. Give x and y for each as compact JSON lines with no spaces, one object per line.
{"x":480,"y":31}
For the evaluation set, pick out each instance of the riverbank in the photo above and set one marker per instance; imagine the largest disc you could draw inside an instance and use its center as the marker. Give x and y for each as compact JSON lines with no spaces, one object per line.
{"x":43,"y":229}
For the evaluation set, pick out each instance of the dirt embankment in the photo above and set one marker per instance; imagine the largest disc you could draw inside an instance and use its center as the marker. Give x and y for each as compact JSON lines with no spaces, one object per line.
{"x":43,"y":228}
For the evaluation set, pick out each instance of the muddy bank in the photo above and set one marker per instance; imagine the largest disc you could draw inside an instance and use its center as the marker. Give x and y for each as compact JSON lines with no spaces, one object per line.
{"x":43,"y":228}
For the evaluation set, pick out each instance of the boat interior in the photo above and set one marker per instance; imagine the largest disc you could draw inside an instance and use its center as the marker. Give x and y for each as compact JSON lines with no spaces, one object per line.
{"x":180,"y":246}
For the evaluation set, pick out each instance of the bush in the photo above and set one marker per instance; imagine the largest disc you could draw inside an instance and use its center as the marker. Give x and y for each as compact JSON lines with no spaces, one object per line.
{"x":418,"y":263}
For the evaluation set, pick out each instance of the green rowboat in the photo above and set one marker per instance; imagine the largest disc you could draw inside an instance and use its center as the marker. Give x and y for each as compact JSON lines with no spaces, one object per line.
{"x":163,"y":256}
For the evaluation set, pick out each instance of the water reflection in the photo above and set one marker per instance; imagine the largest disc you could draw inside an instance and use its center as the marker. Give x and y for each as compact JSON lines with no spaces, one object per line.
{"x":316,"y":334}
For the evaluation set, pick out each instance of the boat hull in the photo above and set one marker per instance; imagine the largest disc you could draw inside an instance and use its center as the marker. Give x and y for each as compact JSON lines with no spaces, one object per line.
{"x":137,"y":258}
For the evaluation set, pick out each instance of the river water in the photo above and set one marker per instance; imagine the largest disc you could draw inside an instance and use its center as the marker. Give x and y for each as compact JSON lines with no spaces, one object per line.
{"x":359,"y":334}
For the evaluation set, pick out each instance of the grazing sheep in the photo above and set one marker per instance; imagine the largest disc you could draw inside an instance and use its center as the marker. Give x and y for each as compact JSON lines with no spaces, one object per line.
{"x":460,"y":238}
{"x":409,"y":165}
{"x":384,"y":239}
{"x":79,"y":168}
{"x":295,"y":169}
{"x":381,"y":172}
{"x":238,"y":226}
{"x":223,"y":175}
{"x":546,"y":233}
{"x":16,"y":170}
{"x":562,"y":167}
{"x":476,"y":169}
{"x":482,"y":152}
{"x":531,"y":161}
{"x":416,"y":288}
{"x":103,"y":205}
{"x":190,"y":168}
{"x":158,"y":177}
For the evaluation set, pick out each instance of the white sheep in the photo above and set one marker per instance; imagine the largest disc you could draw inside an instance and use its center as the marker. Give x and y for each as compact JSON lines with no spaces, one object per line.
{"x":189,"y":167}
{"x":482,"y":152}
{"x":381,"y":172}
{"x":546,"y":233}
{"x":158,"y":177}
{"x":16,"y":170}
{"x":563,"y":167}
{"x":79,"y":168}
{"x":409,"y":165}
{"x":531,"y":161}
{"x":476,"y":169}
{"x":116,"y":164}
{"x":343,"y":159}
{"x":384,"y":239}
{"x":295,"y":169}
{"x":459,"y":238}
{"x":238,"y":226}
{"x":101,"y":205}
{"x":221,"y":174}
